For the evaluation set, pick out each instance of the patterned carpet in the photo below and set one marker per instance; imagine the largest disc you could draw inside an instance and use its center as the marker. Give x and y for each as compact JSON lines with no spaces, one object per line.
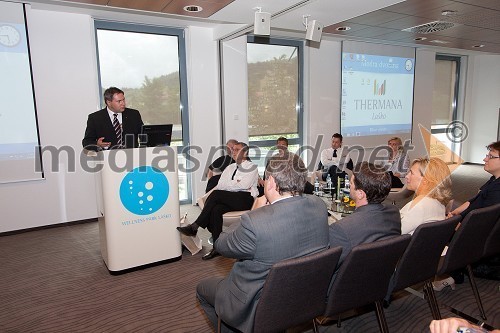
{"x":54,"y":280}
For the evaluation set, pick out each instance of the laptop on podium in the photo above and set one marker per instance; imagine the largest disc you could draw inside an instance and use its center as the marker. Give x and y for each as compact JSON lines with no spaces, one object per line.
{"x":156,"y":135}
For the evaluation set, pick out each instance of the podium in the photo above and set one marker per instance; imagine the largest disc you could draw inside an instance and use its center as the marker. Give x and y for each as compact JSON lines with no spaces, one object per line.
{"x":138,"y":203}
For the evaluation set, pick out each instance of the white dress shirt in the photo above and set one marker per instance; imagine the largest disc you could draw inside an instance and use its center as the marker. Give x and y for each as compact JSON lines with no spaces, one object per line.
{"x":328,"y":160}
{"x":112,"y":115}
{"x":245,"y":178}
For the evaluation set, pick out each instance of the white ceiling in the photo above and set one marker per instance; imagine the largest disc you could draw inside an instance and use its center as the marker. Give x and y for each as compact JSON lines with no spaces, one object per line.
{"x":478,"y":21}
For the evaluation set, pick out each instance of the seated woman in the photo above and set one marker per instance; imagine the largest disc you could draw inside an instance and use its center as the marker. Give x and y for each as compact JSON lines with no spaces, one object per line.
{"x":489,"y":193}
{"x":430,"y":179}
{"x":398,"y":162}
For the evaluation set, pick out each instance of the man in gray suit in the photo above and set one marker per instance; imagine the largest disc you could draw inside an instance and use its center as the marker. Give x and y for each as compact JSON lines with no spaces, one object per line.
{"x":371,"y":221}
{"x":286,"y":225}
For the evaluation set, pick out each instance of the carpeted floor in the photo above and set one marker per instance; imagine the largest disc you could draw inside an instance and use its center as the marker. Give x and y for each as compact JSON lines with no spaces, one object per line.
{"x":54,"y":280}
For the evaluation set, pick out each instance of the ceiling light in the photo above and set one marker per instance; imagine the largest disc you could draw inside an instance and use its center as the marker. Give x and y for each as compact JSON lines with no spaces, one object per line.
{"x":438,"y":41}
{"x":193,"y":8}
{"x":448,"y":12}
{"x":420,"y":38}
{"x":343,"y":28}
{"x":478,"y":45}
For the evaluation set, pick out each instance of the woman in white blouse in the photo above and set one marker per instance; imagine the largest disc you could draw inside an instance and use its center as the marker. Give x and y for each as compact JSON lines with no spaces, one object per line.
{"x":430,"y":179}
{"x":398,"y":162}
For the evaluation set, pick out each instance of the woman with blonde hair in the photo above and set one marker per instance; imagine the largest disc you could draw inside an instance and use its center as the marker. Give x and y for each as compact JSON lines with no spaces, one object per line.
{"x":398,"y":162}
{"x":430,"y":179}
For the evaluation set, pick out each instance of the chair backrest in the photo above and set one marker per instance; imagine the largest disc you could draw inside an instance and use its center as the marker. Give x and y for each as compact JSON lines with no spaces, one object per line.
{"x":468,"y":242}
{"x":492,"y":245}
{"x":403,"y":193}
{"x":295,"y":291}
{"x":420,"y":259}
{"x":364,"y":275}
{"x":231,"y":217}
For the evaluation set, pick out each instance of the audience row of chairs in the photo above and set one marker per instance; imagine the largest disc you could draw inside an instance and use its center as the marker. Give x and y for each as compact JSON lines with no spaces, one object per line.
{"x":299,"y":290}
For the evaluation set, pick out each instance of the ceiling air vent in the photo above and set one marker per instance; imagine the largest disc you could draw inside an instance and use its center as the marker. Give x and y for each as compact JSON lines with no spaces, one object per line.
{"x":428,"y":28}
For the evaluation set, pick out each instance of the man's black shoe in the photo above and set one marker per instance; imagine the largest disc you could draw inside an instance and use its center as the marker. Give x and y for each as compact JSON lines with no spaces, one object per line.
{"x":187,"y":230}
{"x":210,"y":255}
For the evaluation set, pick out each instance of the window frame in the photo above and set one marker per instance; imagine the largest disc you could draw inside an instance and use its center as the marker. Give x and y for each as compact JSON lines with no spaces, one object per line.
{"x":299,"y":106}
{"x":455,"y":116}
{"x":184,"y":109}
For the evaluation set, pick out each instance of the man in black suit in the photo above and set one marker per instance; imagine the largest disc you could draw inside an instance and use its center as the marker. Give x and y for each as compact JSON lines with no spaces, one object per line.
{"x":113,"y":127}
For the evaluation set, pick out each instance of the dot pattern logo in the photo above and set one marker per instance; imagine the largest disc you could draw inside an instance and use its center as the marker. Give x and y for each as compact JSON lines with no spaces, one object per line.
{"x":144,"y":190}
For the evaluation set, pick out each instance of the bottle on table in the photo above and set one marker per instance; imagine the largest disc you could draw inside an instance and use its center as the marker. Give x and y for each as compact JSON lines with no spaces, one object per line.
{"x":328,"y":184}
{"x":316,"y":185}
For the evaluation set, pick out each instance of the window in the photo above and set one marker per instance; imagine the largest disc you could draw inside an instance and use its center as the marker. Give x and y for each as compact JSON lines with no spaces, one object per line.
{"x":444,"y":106}
{"x":148,"y":64}
{"x":274,"y":93}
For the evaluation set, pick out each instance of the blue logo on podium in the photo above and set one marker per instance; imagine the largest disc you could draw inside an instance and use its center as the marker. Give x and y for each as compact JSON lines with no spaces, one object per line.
{"x":144,"y":190}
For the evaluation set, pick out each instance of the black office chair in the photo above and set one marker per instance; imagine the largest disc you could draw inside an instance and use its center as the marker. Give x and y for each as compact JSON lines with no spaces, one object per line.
{"x":420,"y":260}
{"x":468,"y":244}
{"x":364,"y":276}
{"x":492,"y":245}
{"x":295,"y":291}
{"x":401,"y":194}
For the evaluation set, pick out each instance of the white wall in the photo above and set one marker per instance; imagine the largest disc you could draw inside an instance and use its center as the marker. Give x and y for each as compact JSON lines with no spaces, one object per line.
{"x":204,"y":102}
{"x":65,"y":78}
{"x":422,"y":100}
{"x":66,"y":86}
{"x":235,"y":85}
{"x":482,"y":104}
{"x":323,"y":96}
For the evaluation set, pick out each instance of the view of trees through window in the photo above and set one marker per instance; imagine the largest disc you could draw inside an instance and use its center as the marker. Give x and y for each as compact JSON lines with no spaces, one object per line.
{"x":150,"y":79}
{"x":158,"y":99}
{"x":145,"y":64}
{"x":274,"y":74}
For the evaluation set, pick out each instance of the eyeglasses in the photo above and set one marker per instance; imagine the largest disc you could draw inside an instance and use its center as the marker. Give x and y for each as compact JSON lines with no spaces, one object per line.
{"x":491,"y":157}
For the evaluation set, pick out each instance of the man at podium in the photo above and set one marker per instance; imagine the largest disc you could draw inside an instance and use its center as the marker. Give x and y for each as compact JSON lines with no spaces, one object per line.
{"x":113,"y":127}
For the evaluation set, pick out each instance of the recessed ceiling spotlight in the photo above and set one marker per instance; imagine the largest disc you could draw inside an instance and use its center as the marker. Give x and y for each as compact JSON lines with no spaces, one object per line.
{"x":478,"y":45}
{"x":193,"y":8}
{"x":420,"y":38}
{"x":448,"y":12}
{"x":437,"y":41}
{"x":343,"y":28}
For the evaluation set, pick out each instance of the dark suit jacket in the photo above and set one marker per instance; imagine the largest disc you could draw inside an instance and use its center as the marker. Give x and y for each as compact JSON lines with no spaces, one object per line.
{"x":366,"y":224}
{"x":99,"y":125}
{"x":489,"y":195}
{"x":290,"y":228}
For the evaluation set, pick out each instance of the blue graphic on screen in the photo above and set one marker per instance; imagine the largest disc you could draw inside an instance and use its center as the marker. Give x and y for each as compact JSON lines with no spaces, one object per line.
{"x":144,"y":190}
